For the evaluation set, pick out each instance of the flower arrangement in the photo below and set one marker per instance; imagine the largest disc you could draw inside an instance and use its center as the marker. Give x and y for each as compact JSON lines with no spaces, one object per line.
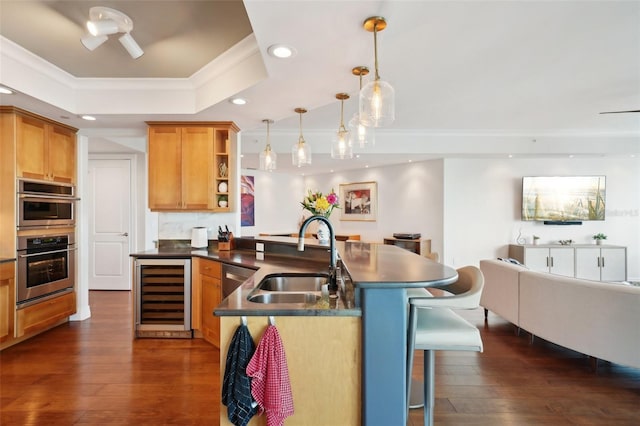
{"x":320,"y":204}
{"x":600,"y":236}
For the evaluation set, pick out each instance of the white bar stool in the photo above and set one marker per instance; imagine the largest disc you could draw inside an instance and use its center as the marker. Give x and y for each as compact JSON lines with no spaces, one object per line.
{"x":433,"y":326}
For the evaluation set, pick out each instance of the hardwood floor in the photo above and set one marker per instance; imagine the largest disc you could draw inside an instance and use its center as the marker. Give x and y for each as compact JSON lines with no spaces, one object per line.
{"x":94,"y":373}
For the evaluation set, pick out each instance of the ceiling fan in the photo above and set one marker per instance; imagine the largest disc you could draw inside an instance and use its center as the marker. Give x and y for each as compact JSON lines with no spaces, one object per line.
{"x":619,"y":112}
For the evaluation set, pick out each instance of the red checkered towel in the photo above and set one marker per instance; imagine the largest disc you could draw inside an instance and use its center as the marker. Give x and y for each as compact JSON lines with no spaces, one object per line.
{"x":270,"y":384}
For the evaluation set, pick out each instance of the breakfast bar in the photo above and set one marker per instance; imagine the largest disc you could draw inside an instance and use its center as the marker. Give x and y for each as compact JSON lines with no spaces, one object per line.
{"x":380,"y":276}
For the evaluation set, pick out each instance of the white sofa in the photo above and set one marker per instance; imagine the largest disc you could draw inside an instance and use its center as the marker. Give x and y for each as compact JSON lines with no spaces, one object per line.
{"x":598,"y":319}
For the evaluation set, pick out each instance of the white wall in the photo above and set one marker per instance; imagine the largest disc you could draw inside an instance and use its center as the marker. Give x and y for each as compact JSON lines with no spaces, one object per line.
{"x":410,"y":198}
{"x":276,"y":203}
{"x":482,"y":206}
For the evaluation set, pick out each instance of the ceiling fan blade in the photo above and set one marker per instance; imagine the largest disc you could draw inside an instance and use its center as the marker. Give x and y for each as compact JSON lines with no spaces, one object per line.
{"x":619,"y":112}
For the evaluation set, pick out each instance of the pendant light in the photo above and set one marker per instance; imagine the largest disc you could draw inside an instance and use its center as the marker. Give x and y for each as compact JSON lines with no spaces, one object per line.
{"x":268,"y":157}
{"x":301,"y":153}
{"x":361,"y":135}
{"x":377,"y":97}
{"x":341,"y":144}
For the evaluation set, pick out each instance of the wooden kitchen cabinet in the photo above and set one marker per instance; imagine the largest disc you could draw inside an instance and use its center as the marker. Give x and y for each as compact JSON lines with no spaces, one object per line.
{"x":44,"y":315}
{"x":418,"y":246}
{"x":45,"y":151}
{"x":191,"y":166}
{"x":7,"y":302}
{"x":206,"y":296}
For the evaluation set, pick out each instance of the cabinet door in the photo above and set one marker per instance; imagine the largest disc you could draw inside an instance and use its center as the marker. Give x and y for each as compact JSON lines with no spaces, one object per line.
{"x":211,"y":298}
{"x":44,"y":315}
{"x":562,"y":262}
{"x":588,"y":263}
{"x":31,"y":148}
{"x":613,"y":263}
{"x":7,"y":301}
{"x":165,"y":168}
{"x":197,"y":168}
{"x":537,"y":259}
{"x":61,"y":154}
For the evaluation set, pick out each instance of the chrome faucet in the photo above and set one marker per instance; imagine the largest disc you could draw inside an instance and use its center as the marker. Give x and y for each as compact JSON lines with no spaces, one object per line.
{"x":333,"y":286}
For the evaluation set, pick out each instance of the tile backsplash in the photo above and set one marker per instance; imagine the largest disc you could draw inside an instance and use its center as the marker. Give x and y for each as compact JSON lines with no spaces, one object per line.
{"x":177,"y":226}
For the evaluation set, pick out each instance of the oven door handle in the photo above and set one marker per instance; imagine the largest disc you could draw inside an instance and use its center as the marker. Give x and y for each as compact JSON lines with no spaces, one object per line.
{"x":23,"y":195}
{"x":47,"y":252}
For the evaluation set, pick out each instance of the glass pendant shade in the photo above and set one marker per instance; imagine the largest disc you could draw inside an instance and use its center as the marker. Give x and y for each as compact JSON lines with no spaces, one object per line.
{"x":377,"y":98}
{"x":377,"y":104}
{"x":341,"y":147}
{"x":268,"y":158}
{"x":361,"y":135}
{"x":301,"y":152}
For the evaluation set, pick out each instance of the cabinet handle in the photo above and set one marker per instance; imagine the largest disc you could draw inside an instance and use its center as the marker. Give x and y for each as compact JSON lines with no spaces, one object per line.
{"x":602,"y":261}
{"x":547,"y":261}
{"x":552,"y":261}
{"x":598,"y":261}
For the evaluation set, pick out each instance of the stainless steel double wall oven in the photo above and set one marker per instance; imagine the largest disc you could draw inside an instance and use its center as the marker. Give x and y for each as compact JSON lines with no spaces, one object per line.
{"x":46,"y":242}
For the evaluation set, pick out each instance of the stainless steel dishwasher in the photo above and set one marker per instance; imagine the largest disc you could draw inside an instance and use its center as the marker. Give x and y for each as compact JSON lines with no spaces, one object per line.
{"x":233,"y":276}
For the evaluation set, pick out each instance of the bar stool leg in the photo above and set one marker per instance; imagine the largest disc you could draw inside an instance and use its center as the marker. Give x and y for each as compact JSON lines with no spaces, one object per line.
{"x":429,"y":386}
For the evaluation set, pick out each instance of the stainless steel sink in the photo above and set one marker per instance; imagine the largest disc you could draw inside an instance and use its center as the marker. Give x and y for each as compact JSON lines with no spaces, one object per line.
{"x":299,"y":283}
{"x":284,"y":298}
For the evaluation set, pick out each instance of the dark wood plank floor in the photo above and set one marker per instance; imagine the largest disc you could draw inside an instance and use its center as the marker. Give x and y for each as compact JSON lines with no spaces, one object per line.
{"x":94,"y":373}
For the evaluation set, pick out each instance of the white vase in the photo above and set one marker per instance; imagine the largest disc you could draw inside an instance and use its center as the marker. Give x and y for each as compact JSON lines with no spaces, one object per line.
{"x":599,"y":242}
{"x":323,"y":233}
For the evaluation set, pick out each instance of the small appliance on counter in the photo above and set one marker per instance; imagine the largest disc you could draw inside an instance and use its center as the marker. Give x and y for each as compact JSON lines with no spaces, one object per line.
{"x":199,"y":237}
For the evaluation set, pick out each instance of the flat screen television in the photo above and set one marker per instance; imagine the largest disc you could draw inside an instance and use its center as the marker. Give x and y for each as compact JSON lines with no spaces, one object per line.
{"x":563,"y":199}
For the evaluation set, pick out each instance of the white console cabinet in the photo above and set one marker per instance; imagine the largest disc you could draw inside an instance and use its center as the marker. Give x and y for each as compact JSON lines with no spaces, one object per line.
{"x":557,"y":260}
{"x":601,"y":263}
{"x":586,"y":261}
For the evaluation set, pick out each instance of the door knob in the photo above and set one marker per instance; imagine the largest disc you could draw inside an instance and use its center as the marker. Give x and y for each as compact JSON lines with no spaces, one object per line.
{"x":125,"y":234}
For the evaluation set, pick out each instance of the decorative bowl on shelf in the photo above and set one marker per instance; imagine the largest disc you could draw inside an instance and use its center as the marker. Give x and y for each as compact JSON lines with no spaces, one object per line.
{"x":566,"y":242}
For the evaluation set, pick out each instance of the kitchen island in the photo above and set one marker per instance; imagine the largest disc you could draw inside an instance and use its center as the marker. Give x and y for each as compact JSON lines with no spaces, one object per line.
{"x":380,"y":275}
{"x":346,"y":360}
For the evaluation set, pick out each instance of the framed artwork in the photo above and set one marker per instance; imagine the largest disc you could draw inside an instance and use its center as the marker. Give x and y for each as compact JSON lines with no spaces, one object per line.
{"x":359,"y":201}
{"x":247,"y":189}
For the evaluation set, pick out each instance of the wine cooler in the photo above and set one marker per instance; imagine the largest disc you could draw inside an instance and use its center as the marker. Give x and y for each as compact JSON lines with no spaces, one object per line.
{"x":162,"y":299}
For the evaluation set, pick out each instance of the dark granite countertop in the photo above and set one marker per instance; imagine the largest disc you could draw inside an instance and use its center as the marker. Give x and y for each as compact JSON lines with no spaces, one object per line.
{"x":368,"y":265}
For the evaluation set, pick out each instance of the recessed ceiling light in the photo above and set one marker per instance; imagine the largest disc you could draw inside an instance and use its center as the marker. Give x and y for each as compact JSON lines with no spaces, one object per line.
{"x":238,"y":101}
{"x":88,"y":118}
{"x":281,"y":51}
{"x":6,"y":91}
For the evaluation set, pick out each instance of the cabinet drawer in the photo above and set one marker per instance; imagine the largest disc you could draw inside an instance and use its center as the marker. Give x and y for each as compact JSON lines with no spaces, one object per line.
{"x":36,"y":318}
{"x":210,"y":268}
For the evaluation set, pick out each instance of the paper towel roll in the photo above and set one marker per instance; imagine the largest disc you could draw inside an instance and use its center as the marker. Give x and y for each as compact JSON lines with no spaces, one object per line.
{"x":199,"y":237}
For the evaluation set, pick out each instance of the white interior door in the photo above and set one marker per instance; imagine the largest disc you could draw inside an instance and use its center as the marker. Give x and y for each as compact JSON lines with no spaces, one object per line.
{"x":110,"y":224}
